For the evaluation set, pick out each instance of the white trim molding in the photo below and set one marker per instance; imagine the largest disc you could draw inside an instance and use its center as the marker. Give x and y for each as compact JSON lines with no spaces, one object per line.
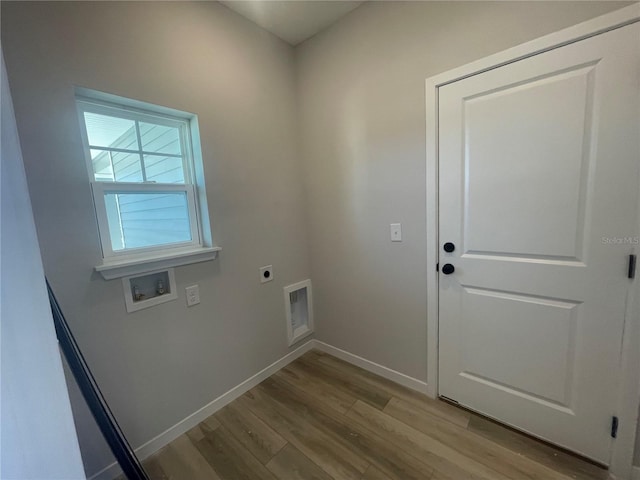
{"x":385,"y":372}
{"x":132,"y":266}
{"x":627,"y":409}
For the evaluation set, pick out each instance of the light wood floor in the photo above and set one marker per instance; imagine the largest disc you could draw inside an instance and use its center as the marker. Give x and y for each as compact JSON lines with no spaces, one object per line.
{"x":321,"y":418}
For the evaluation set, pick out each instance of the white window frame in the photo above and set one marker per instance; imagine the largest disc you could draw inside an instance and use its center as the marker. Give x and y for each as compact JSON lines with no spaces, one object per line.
{"x":99,"y":190}
{"x":119,"y":263}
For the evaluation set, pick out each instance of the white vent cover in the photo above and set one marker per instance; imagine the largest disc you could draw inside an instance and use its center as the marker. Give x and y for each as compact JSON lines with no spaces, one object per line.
{"x":298,"y":302}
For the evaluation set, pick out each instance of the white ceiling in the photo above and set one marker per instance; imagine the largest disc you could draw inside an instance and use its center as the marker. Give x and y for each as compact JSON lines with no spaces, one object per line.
{"x":293,"y":21}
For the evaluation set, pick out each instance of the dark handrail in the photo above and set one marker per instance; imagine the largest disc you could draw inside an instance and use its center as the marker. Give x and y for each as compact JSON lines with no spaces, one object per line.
{"x":93,"y":396}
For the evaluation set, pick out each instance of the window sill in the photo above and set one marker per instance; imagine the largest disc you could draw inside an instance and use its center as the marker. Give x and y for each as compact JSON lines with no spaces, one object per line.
{"x":124,"y":267}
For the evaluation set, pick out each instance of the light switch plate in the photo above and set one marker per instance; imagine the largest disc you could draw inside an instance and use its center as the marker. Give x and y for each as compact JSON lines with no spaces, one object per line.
{"x":396,"y":232}
{"x":193,"y":295}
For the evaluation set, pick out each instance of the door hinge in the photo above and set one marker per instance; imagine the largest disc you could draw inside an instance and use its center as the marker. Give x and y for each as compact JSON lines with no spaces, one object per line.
{"x":614,"y":426}
{"x":437,"y":267}
{"x":631,"y":273}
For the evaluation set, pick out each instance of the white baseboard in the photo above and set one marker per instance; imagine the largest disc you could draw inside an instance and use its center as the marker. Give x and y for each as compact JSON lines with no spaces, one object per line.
{"x":635,"y":473}
{"x":155,"y":444}
{"x":389,"y":374}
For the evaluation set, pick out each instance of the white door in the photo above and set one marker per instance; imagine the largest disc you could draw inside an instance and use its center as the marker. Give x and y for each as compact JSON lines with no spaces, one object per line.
{"x":538,"y":182}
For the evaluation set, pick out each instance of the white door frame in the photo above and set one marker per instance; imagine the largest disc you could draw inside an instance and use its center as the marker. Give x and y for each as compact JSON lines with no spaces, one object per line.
{"x":621,"y":464}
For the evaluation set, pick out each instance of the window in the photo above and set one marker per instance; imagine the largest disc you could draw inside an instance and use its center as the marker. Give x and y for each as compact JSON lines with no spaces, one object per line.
{"x":143,"y":178}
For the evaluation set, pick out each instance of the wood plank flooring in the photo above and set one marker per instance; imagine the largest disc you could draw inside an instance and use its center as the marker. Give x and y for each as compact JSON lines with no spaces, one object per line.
{"x":321,"y":419}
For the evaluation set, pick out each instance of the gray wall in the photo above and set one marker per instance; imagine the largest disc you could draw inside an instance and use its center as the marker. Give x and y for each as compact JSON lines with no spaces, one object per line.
{"x":362,"y":117}
{"x":37,"y":430}
{"x":159,"y":365}
{"x":360,"y":128}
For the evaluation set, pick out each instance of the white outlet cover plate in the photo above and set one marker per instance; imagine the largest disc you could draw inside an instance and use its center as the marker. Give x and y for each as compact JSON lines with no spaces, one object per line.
{"x":396,"y":232}
{"x":193,"y":295}
{"x":263,"y":270}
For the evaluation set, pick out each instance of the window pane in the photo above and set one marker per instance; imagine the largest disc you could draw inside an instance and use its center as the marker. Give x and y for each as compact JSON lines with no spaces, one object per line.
{"x":163,"y":169}
{"x":113,"y":217}
{"x":102,"y":170}
{"x":126,"y":167}
{"x":113,"y":132}
{"x":160,"y":139}
{"x":149,"y":219}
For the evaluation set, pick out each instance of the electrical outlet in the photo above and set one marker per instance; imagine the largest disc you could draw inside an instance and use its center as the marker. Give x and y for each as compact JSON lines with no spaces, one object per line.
{"x":193,"y":295}
{"x":266,"y":273}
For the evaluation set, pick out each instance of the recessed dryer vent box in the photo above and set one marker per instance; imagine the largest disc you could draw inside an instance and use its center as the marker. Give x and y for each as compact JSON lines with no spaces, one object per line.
{"x":149,"y":289}
{"x":298,"y":303}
